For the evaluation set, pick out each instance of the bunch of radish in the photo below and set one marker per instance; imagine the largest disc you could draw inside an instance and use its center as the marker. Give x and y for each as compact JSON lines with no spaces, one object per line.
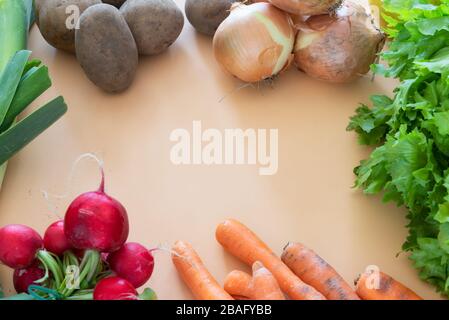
{"x":84,"y":256}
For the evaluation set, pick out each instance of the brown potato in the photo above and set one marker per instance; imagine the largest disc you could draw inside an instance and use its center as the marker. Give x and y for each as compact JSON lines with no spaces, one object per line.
{"x":155,"y":24}
{"x":57,"y":21}
{"x":105,"y":48}
{"x":37,"y":7}
{"x":206,"y":15}
{"x":115,"y":3}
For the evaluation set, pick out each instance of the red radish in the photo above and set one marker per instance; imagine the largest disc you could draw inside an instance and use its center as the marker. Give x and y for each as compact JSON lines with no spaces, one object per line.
{"x":104,"y":256}
{"x":19,"y":245}
{"x":55,"y":240}
{"x":23,"y":278}
{"x":132,"y":262}
{"x":114,"y":288}
{"x":79,"y":253}
{"x":96,"y":221}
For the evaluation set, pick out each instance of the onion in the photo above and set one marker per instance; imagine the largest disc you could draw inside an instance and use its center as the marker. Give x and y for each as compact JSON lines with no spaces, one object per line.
{"x":339,"y":47}
{"x":255,"y":42}
{"x":307,"y":7}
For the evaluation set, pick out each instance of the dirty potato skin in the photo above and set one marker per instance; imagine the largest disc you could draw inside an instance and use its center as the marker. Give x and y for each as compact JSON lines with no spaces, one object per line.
{"x":105,"y":48}
{"x":37,"y":6}
{"x":206,"y":15}
{"x":51,"y":19}
{"x":155,"y":24}
{"x":115,"y":3}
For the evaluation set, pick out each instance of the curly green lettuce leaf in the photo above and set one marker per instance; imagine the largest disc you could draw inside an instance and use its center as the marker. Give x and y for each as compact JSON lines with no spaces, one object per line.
{"x":438,"y":63}
{"x":410,"y":132}
{"x":432,"y":263}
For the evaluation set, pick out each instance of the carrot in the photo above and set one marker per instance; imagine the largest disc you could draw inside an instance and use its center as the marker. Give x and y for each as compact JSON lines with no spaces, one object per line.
{"x":313,"y":270}
{"x":238,"y":284}
{"x":264,"y":284}
{"x":246,"y":246}
{"x":261,"y":286}
{"x":387,"y":288}
{"x":195,"y":275}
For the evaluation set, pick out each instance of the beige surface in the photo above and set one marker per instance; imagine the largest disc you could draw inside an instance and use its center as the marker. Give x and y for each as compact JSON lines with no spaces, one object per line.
{"x":310,"y":198}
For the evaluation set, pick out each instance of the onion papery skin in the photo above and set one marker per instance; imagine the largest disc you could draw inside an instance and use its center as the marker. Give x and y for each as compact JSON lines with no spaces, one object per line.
{"x":338,"y":48}
{"x":307,"y":7}
{"x":255,"y":42}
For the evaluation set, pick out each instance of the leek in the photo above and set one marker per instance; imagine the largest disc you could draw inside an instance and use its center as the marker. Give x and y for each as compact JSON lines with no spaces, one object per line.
{"x":15,"y":18}
{"x":21,"y":82}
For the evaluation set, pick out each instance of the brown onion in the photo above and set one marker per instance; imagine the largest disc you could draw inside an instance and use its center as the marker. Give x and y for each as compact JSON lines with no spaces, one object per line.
{"x":255,"y":42}
{"x":307,"y":7}
{"x":339,"y":47}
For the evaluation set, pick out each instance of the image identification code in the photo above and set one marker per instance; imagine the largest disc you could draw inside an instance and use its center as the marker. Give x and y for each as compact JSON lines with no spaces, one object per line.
{"x":225,"y":309}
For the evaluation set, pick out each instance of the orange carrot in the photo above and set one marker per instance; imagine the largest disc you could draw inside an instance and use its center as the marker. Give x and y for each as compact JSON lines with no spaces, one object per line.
{"x":380,"y":286}
{"x":238,"y":284}
{"x":195,"y":275}
{"x":264,"y":284}
{"x":313,"y":270}
{"x":246,"y":246}
{"x":261,"y":286}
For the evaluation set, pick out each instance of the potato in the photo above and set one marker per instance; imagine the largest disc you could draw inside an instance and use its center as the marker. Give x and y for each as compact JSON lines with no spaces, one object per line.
{"x":105,"y":48}
{"x":37,"y":7}
{"x":116,"y":3}
{"x":53,"y":21}
{"x":206,"y":15}
{"x":155,"y":24}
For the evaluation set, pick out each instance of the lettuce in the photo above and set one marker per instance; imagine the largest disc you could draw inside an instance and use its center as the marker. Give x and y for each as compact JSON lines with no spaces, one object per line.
{"x":410,"y":132}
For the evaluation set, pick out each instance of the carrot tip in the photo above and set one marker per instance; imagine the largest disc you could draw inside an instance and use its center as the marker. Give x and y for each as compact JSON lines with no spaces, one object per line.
{"x":257,"y":265}
{"x":357,"y":279}
{"x":285,"y":247}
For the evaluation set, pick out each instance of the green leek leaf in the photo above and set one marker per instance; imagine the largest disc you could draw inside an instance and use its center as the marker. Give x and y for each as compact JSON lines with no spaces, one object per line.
{"x":30,"y":65}
{"x":22,"y":133}
{"x":32,"y":85}
{"x":10,"y":79}
{"x":14,"y":24}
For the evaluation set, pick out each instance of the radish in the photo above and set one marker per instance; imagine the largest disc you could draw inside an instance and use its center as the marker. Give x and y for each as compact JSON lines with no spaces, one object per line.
{"x":55,"y":240}
{"x":104,"y":256}
{"x":19,"y":245}
{"x":23,"y":278}
{"x":114,"y":288}
{"x":132,"y":262}
{"x":96,"y":221}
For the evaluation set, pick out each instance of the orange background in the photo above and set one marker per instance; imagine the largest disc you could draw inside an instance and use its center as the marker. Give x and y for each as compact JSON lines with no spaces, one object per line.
{"x":310,"y":199}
